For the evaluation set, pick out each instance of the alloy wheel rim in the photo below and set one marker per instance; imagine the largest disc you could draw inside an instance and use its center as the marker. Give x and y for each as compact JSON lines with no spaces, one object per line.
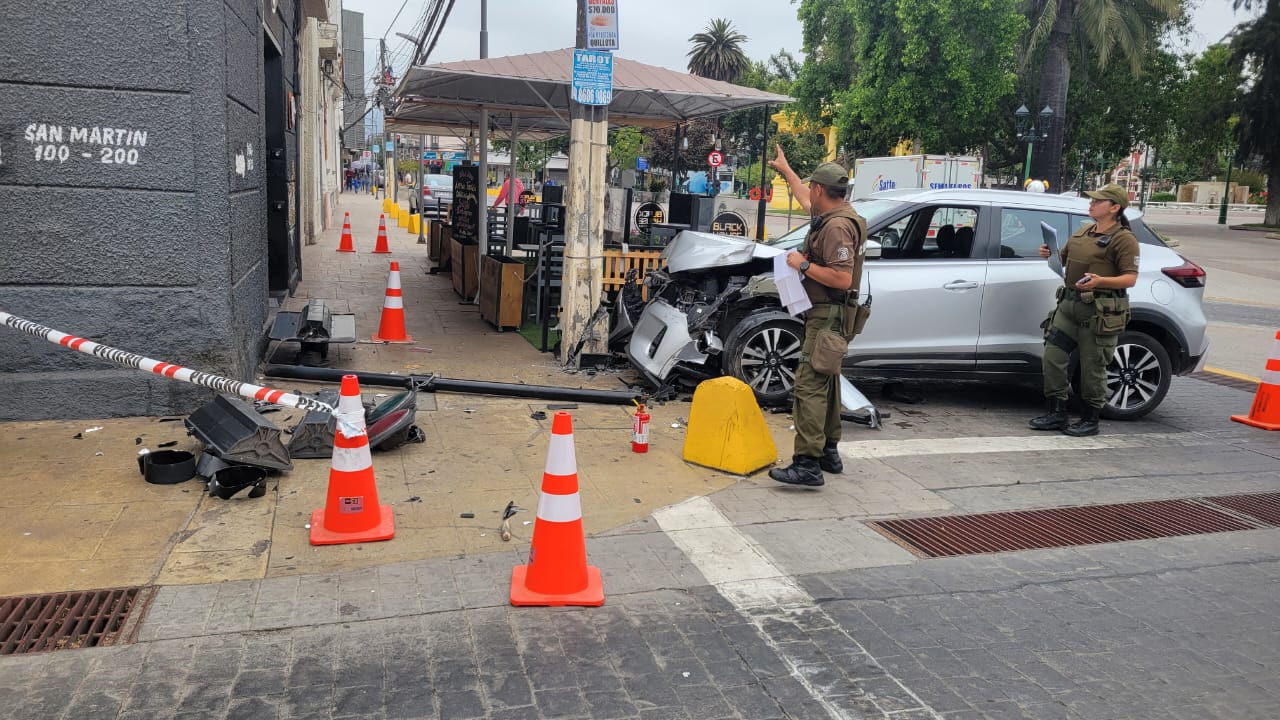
{"x":769,"y":360}
{"x":1133,"y":377}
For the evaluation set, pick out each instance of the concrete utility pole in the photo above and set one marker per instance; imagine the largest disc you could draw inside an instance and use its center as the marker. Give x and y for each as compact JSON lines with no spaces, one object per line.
{"x":584,"y":220}
{"x":483,"y":148}
{"x":382,"y":69}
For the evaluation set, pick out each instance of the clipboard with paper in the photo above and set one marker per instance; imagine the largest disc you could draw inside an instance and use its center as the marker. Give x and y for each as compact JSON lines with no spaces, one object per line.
{"x":1050,"y":235}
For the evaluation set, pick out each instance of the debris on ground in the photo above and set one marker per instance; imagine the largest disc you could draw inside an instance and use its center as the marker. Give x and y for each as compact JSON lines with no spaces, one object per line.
{"x":171,"y":443}
{"x":538,"y":415}
{"x":563,"y":406}
{"x":415,"y":498}
{"x":467,"y":516}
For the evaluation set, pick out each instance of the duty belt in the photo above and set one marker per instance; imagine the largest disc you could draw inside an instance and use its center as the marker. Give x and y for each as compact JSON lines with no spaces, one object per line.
{"x":1074,"y":294}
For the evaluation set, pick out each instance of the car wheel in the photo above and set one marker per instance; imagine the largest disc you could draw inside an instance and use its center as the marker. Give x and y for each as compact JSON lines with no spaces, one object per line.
{"x":1137,"y":378}
{"x":763,"y":351}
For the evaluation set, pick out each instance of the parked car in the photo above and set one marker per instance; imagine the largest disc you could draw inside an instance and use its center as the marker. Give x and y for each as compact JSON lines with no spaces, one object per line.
{"x":437,"y":193}
{"x":958,"y":289}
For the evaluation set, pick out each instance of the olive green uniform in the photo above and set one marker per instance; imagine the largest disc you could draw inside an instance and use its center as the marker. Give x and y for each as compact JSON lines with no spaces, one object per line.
{"x":837,"y":240}
{"x":1088,"y":321}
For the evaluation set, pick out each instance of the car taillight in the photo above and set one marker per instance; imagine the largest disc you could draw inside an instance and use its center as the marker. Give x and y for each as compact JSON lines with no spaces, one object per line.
{"x":1188,"y":274}
{"x":426,"y":192}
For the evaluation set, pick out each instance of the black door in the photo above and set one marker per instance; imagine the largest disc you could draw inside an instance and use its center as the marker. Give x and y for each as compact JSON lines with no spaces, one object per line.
{"x":284,"y":254}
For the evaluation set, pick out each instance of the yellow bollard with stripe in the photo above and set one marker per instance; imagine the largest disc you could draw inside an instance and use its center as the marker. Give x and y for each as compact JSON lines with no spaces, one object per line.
{"x":727,"y":429}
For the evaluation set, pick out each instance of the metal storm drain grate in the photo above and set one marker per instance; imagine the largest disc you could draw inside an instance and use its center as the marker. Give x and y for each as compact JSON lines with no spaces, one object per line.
{"x":1263,"y":506}
{"x":1057,"y":527}
{"x":64,"y":621}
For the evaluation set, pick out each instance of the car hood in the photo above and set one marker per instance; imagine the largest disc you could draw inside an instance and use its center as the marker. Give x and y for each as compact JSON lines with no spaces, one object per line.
{"x":691,"y":250}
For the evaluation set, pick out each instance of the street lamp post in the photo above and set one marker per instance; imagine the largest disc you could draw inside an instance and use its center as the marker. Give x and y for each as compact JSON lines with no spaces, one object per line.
{"x":1026,"y":130}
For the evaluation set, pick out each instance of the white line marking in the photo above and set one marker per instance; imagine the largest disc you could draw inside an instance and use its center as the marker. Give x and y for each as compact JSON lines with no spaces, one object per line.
{"x":743,"y":573}
{"x":1011,"y":443}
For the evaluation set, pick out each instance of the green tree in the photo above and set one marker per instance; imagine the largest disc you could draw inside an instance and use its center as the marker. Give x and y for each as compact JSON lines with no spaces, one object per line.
{"x":625,"y":145}
{"x":717,"y":52}
{"x":934,"y":71}
{"x":1103,"y":29}
{"x":1256,"y":47}
{"x":532,"y":156}
{"x":829,"y":36}
{"x":1206,"y":104}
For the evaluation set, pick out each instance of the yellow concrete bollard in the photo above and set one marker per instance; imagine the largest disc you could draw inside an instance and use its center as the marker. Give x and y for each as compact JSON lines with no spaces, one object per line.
{"x":402,"y":217}
{"x":414,"y":224}
{"x":727,"y":429}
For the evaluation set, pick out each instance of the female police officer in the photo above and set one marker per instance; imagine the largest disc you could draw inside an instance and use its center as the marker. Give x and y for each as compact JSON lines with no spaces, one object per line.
{"x":1100,"y":263}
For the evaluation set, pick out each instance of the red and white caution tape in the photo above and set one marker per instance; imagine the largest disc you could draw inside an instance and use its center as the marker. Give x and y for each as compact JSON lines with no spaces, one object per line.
{"x":171,"y":371}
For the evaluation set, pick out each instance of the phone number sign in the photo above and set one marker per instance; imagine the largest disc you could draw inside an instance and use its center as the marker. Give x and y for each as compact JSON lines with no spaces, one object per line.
{"x":592,"y":77}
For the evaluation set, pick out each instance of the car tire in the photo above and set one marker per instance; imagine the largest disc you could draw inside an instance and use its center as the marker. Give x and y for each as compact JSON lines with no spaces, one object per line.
{"x":763,"y":351}
{"x":1138,"y":377}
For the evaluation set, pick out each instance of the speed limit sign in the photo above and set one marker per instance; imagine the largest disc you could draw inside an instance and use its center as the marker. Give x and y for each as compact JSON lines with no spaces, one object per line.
{"x":715,"y":158}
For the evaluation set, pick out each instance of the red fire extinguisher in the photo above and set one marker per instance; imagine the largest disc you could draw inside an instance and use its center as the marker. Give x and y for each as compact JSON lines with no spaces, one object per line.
{"x":640,"y":430}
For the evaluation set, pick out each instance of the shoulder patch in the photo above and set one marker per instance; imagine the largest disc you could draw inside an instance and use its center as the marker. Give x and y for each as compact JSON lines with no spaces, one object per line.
{"x":842,"y":254}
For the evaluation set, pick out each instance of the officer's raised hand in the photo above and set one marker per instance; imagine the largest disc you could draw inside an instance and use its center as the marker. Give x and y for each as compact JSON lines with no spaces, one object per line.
{"x":1044,"y":251}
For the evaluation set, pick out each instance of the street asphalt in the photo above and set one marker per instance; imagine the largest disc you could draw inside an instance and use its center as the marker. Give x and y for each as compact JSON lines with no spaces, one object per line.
{"x":758,"y":601}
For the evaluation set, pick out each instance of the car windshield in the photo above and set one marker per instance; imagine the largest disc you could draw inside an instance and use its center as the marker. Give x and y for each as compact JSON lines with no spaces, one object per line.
{"x":440,"y":181}
{"x":868,"y":209}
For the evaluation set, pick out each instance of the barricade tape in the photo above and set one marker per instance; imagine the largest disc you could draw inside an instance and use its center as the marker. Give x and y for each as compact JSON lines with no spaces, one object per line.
{"x":177,"y":372}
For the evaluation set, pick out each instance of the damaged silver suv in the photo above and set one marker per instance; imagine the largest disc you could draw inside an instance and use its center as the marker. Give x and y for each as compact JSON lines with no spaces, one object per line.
{"x":958,"y":288}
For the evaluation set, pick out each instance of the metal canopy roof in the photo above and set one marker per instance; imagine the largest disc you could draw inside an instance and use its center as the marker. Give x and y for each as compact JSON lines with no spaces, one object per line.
{"x":536,"y":88}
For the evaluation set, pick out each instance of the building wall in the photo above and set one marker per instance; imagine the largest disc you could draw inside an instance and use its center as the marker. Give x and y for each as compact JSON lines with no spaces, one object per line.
{"x":353,"y":75}
{"x":133,"y":168}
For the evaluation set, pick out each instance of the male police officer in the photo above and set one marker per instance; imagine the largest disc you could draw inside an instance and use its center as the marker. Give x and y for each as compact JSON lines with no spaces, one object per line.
{"x":1100,"y":263}
{"x":831,"y":263}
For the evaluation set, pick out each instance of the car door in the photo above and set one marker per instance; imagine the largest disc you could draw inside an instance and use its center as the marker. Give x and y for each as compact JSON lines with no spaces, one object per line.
{"x":926,"y":290}
{"x":1020,"y":288}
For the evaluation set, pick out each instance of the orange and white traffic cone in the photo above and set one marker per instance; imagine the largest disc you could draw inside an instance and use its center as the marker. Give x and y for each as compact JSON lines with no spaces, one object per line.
{"x":351,"y":512}
{"x":347,"y":244}
{"x":1265,"y":412}
{"x":381,"y":247}
{"x":558,"y":573}
{"x":391,"y":327}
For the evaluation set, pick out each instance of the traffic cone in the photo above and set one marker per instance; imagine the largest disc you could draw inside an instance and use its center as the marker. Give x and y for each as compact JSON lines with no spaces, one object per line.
{"x":346,"y":244}
{"x":351,"y":512}
{"x":391,"y":327}
{"x":380,"y":248}
{"x":558,"y":573}
{"x":1265,"y":412}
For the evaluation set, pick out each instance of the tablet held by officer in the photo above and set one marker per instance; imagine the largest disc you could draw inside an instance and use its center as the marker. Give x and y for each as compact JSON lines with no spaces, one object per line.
{"x":830,"y":262}
{"x":1100,"y":263}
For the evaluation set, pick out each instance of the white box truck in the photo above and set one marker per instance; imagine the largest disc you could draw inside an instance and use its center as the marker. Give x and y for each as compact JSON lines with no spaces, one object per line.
{"x":935,"y":172}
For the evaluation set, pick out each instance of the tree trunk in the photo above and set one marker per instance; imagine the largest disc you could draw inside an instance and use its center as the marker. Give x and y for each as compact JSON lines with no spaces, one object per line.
{"x":1055,"y":78}
{"x":1272,"y":216}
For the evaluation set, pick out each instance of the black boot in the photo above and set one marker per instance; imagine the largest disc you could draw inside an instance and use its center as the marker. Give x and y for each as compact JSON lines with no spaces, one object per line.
{"x":804,"y":470}
{"x":1086,"y":425}
{"x":830,"y":461}
{"x":1055,"y":419}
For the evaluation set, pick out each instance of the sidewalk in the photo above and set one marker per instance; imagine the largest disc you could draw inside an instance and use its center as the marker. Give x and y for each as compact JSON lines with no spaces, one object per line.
{"x":77,"y":515}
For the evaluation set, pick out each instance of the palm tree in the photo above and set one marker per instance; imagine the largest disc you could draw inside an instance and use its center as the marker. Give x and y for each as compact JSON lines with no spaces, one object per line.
{"x":1256,"y":46}
{"x":1104,"y":28}
{"x":717,"y":52}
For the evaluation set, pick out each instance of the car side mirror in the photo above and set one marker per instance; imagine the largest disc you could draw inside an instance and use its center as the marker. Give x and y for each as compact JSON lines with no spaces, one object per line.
{"x":873,"y":250}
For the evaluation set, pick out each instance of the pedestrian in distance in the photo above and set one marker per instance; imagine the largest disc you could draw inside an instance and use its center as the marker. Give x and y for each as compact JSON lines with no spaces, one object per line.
{"x":506,"y":194}
{"x":830,"y":262}
{"x":1100,"y":263}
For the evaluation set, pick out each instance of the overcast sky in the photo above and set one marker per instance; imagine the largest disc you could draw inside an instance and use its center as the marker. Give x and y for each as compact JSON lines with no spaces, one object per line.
{"x":652,"y":31}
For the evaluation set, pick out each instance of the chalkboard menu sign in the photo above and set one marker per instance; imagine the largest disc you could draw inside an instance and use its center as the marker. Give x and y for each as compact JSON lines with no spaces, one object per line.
{"x":466,"y":203}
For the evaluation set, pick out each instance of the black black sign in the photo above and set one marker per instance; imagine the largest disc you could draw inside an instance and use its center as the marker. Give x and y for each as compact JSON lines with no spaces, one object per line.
{"x":466,"y":203}
{"x":648,"y":214}
{"x":729,"y":223}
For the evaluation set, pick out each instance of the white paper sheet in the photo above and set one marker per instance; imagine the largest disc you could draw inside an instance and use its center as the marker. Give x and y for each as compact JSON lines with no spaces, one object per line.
{"x":790,"y":289}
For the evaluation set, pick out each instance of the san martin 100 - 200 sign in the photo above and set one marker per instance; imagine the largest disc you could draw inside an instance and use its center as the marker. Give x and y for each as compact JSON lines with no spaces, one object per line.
{"x":105,"y":145}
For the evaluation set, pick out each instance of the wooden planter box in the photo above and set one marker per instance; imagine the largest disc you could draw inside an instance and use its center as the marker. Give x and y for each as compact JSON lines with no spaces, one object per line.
{"x":465,"y":260}
{"x":501,"y":291}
